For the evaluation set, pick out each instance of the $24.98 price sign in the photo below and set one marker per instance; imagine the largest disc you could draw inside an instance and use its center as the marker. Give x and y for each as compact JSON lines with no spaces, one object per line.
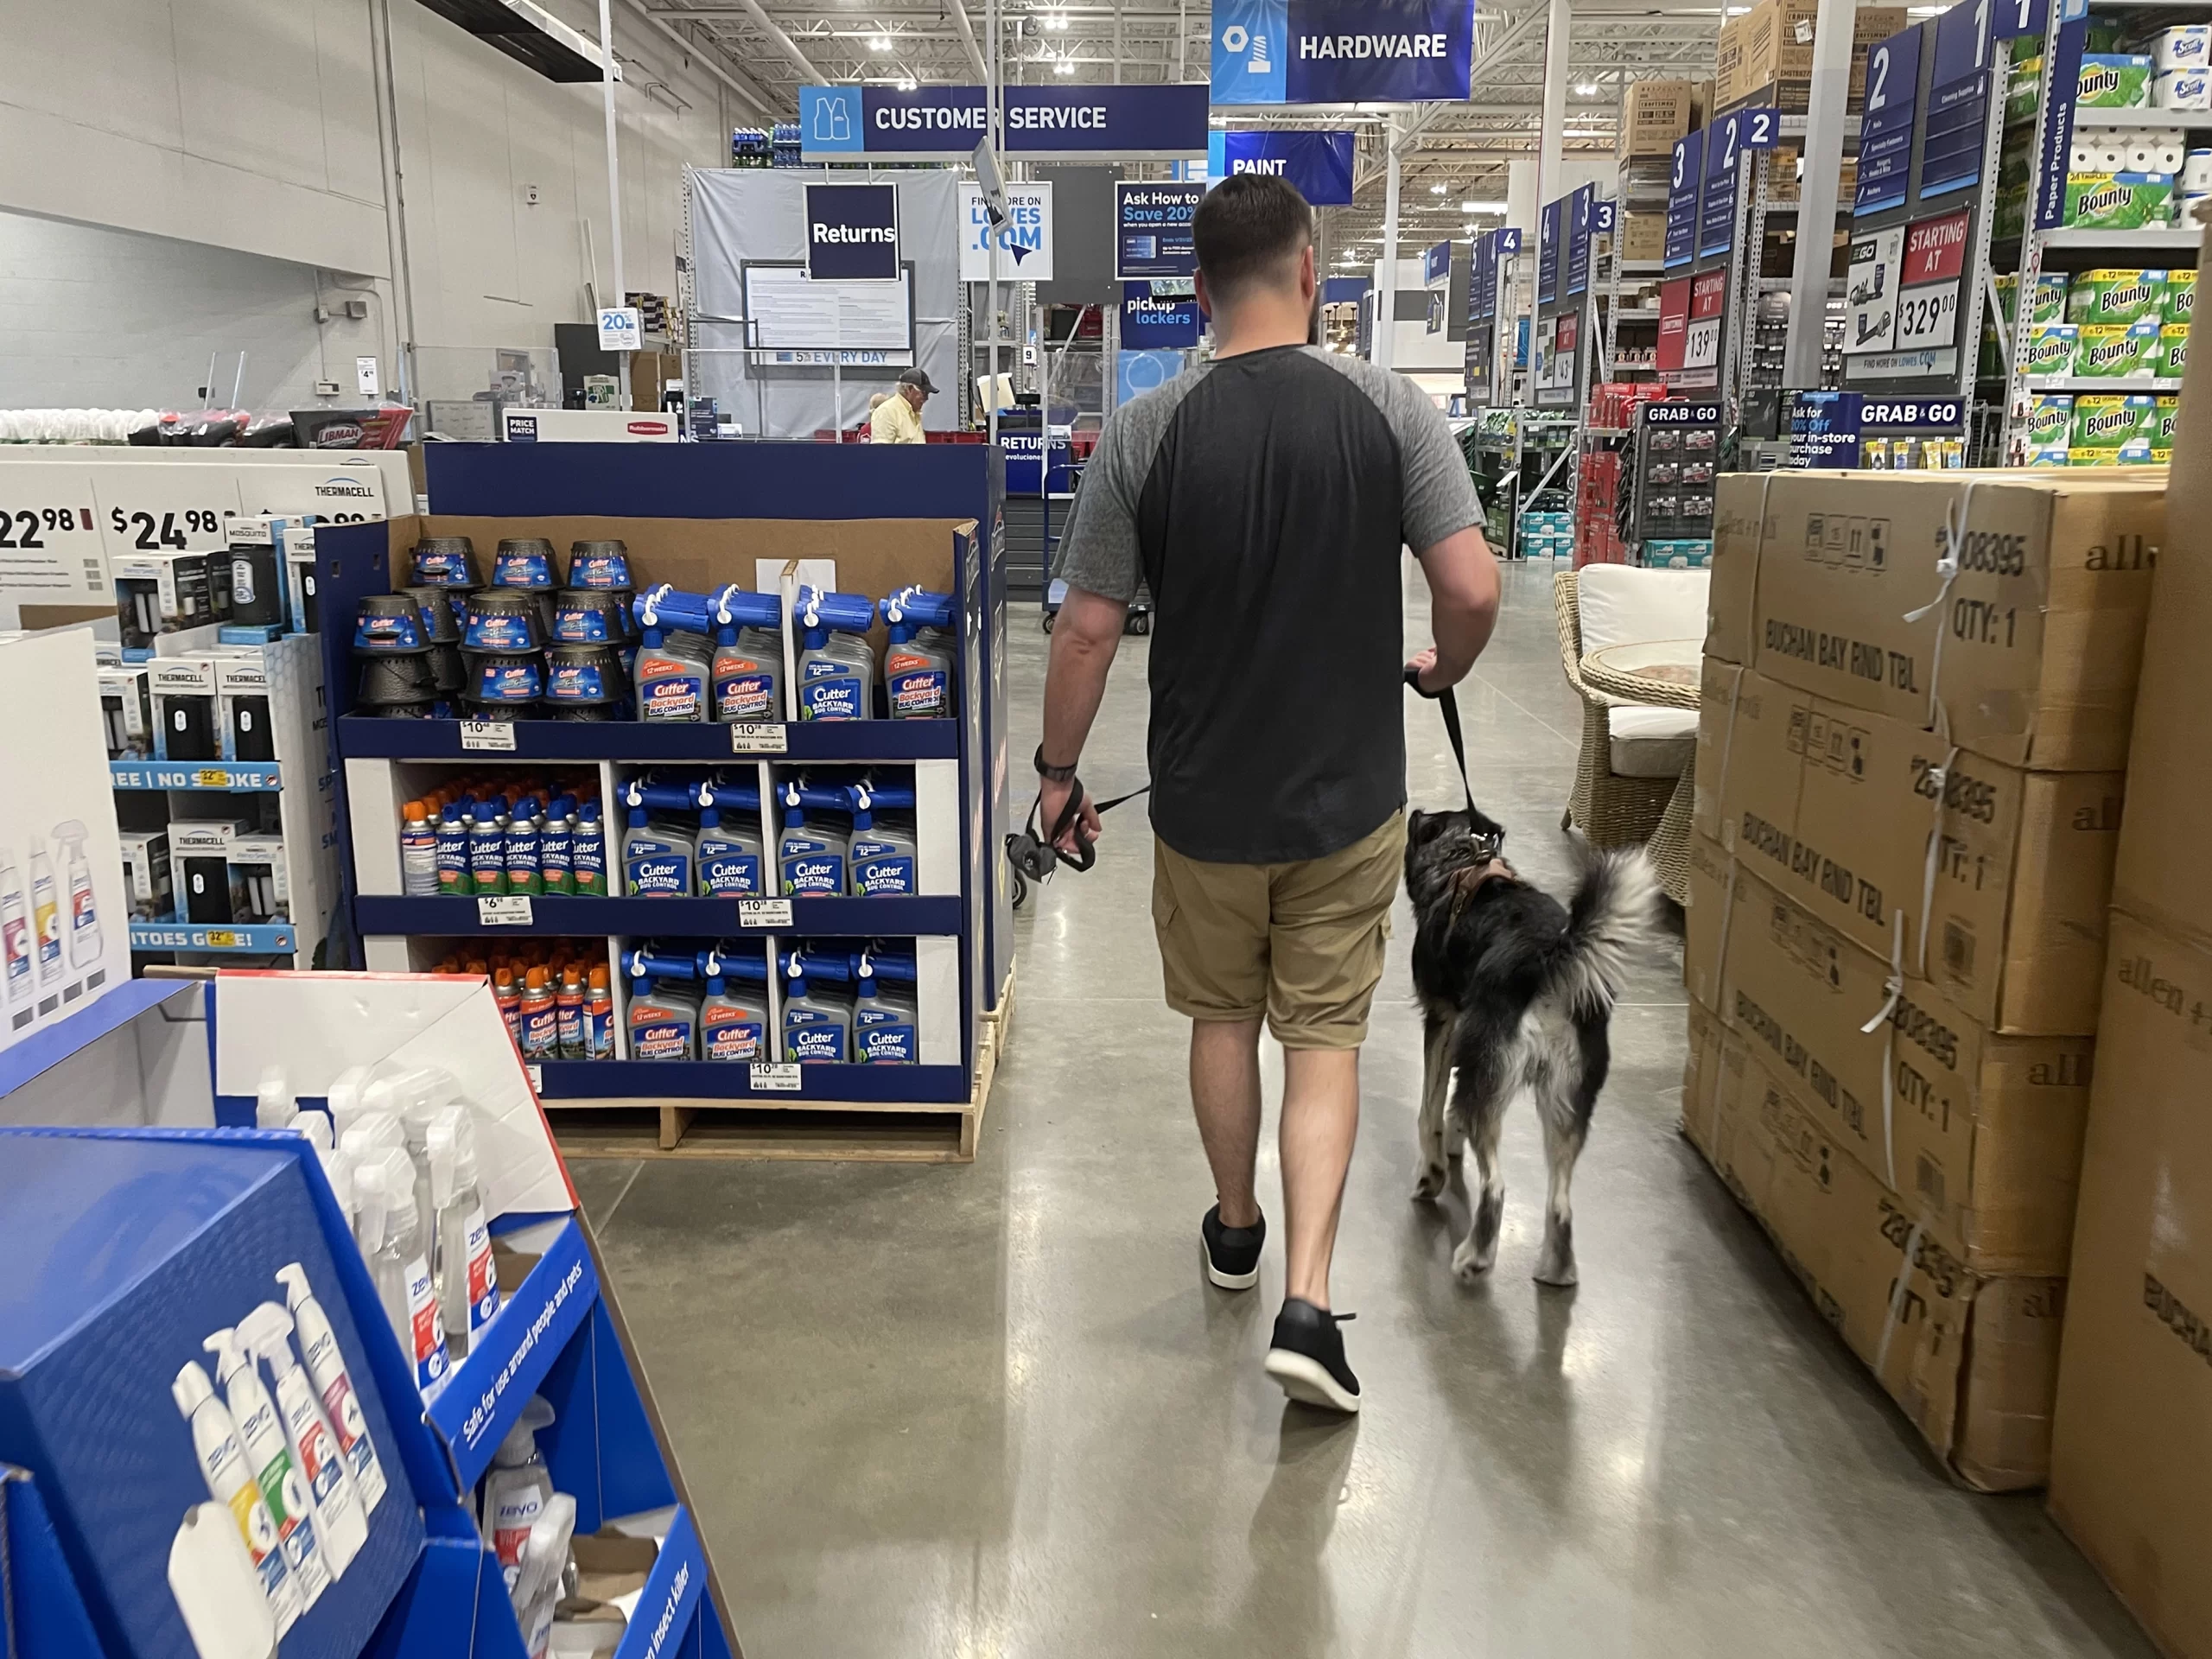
{"x":192,"y":515}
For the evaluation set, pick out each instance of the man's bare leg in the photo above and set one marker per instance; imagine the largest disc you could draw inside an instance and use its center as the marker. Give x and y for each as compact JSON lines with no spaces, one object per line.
{"x":1225,"y":1095}
{"x":1321,"y":1120}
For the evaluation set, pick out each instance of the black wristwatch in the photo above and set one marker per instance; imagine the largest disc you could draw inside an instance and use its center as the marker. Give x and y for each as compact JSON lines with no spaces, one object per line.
{"x":1051,"y":773}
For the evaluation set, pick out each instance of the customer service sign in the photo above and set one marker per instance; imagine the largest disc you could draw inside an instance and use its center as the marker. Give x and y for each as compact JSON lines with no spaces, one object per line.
{"x":1342,"y":51}
{"x":1087,"y":122}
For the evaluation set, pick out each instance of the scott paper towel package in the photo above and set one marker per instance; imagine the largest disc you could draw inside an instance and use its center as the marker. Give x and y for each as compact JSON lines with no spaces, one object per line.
{"x":2183,"y":89}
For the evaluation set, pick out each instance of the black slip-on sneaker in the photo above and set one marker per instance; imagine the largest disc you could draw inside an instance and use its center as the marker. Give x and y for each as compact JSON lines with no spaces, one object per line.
{"x":1232,"y":1253}
{"x":1307,"y":1356}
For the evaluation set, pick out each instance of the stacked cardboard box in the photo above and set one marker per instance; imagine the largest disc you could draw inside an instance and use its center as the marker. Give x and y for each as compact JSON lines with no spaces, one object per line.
{"x":2131,"y":1477}
{"x":1895,"y":937}
{"x":1655,"y":113}
{"x":1765,"y":55}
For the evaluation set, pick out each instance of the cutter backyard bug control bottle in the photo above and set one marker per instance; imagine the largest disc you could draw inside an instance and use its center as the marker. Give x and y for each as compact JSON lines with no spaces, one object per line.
{"x":836,"y":668}
{"x":817,"y":1026}
{"x":730,"y":854}
{"x":885,"y":1019}
{"x":675,"y":662}
{"x":326,"y":1370}
{"x":880,"y":858}
{"x":657,"y":855}
{"x":748,"y":664}
{"x":811,"y":853}
{"x":734,"y":1016}
{"x":917,"y":667}
{"x":664,"y":1016}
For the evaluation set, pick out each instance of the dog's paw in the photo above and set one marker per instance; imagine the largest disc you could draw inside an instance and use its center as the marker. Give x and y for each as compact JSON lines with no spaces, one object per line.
{"x":1469,"y":1261}
{"x":1430,"y":1183}
{"x":1555,"y":1262}
{"x":1559,"y":1275}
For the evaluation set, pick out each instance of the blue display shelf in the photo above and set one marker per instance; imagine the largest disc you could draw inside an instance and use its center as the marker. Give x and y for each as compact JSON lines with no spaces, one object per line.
{"x":858,"y":742}
{"x":238,"y":938}
{"x":858,"y":1085}
{"x":196,"y":774}
{"x":697,"y":919}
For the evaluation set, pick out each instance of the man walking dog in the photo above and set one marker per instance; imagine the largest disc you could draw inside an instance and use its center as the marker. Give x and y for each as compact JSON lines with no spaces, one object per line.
{"x":1264,"y":499}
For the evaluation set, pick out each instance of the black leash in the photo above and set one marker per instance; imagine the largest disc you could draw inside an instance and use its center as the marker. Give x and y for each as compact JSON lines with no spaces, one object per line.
{"x":1451,"y":708}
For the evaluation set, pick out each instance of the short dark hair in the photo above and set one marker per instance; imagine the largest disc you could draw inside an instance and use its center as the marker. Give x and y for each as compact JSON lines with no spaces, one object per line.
{"x":1246,"y":227}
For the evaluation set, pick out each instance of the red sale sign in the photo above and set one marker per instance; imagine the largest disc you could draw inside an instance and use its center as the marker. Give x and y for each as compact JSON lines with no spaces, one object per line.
{"x":1673,"y":321}
{"x":1935,"y":249}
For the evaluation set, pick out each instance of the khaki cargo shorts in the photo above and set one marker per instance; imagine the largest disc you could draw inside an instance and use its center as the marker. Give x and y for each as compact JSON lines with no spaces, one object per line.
{"x":1302,"y":943}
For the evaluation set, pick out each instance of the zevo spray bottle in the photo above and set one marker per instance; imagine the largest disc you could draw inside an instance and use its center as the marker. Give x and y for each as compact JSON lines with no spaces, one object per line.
{"x":468,"y":1286}
{"x":46,"y":914}
{"x":262,"y":1434}
{"x":515,"y":1491}
{"x":15,"y":934}
{"x":341,"y":1524}
{"x":326,"y":1370}
{"x":221,"y":1455}
{"x":84,"y":919}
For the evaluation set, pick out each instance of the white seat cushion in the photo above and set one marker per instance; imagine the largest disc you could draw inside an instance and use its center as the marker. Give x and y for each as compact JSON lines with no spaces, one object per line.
{"x":1626,"y":604}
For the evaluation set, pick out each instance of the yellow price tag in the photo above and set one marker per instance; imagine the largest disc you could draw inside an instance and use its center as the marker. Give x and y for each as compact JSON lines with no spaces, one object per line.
{"x":222,"y":940}
{"x":210,"y":777}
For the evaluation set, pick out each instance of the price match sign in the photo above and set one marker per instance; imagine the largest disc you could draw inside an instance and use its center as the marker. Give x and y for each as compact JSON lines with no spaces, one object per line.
{"x":1927,"y":287}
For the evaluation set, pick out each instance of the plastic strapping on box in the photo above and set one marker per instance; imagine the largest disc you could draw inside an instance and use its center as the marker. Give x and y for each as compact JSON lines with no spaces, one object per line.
{"x":1946,"y":567}
{"x":1895,"y":986}
{"x":1892,"y":1315}
{"x":1938,"y":779}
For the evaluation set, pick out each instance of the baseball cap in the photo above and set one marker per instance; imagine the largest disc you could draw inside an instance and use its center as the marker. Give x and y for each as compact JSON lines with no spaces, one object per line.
{"x":918,"y":377}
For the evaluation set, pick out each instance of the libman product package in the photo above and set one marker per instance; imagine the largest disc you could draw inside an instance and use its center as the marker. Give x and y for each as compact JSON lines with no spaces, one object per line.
{"x":2050,"y":420}
{"x":2119,"y":201}
{"x":2170,"y":361}
{"x":2114,"y":350}
{"x":2106,"y":420}
{"x":2116,"y":296}
{"x":2113,"y":81}
{"x":2051,"y":350}
{"x":2178,"y":303}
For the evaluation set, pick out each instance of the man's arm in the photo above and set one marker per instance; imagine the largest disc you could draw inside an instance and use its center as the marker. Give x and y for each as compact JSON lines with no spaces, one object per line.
{"x":1084,"y":637}
{"x":1463,"y":605}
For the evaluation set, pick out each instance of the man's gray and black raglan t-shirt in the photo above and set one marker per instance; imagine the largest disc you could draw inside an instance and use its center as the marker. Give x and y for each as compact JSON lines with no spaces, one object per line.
{"x":1263,"y":498}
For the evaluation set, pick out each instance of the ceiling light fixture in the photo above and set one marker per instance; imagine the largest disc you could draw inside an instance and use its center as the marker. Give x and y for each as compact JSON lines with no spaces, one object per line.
{"x":1585,"y":89}
{"x":1063,"y":66}
{"x":1482,"y":207}
{"x":1055,"y":21}
{"x":1438,"y":189}
{"x":879,"y":42}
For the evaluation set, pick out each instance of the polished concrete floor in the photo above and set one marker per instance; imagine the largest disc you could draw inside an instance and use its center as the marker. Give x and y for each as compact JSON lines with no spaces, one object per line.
{"x":993,"y":1410}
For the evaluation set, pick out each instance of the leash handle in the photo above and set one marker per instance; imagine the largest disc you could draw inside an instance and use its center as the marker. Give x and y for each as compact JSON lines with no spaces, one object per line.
{"x":1070,"y":817}
{"x":1451,"y":711}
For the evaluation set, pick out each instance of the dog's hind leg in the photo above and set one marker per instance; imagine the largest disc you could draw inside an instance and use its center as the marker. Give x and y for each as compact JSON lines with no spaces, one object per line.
{"x":1479,"y":1106}
{"x":1565,"y":1101}
{"x":1435,"y":1082}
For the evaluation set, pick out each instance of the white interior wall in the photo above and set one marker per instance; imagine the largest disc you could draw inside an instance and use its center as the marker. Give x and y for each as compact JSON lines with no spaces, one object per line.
{"x":251,"y":126}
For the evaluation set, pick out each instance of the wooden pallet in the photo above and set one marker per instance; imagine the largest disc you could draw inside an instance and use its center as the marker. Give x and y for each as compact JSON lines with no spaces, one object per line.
{"x":763,"y":1128}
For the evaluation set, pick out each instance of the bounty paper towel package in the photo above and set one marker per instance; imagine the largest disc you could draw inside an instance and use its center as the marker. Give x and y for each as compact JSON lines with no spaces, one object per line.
{"x":2170,"y":361}
{"x":2178,"y":303}
{"x":2051,"y":350}
{"x":2115,"y":351}
{"x":2114,"y":81}
{"x":2050,"y":419}
{"x":2116,"y":296}
{"x":2105,"y":420}
{"x":2119,"y":201}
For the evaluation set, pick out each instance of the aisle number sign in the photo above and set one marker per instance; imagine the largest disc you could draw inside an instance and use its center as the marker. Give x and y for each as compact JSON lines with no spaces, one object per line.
{"x":1957,"y":100}
{"x":621,"y":328}
{"x":1728,"y":140}
{"x":1682,"y":200}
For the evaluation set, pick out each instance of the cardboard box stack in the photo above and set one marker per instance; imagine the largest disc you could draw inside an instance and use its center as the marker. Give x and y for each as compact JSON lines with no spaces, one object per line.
{"x":1895,"y":937}
{"x":1654,"y":114}
{"x":1765,"y":55}
{"x":2131,"y":1478}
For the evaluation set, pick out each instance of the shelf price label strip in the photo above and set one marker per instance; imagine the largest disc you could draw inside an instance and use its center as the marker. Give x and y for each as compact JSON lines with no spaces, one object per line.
{"x":178,"y":774}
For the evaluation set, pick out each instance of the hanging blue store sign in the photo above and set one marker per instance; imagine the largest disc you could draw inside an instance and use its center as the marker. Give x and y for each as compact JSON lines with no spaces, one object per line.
{"x":1958,"y":101}
{"x":1319,"y":163}
{"x":2062,"y":64}
{"x":1151,"y":229}
{"x":852,"y":232}
{"x":1548,"y":241}
{"x":1342,"y":51}
{"x":1682,"y":201}
{"x":1158,"y":321}
{"x":1716,"y":216}
{"x":946,"y":123}
{"x":1580,"y":217}
{"x":1885,"y":133}
{"x":1436,"y":263}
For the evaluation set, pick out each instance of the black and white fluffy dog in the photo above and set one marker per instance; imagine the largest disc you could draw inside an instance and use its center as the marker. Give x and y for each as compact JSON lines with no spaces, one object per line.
{"x":1516,"y":992}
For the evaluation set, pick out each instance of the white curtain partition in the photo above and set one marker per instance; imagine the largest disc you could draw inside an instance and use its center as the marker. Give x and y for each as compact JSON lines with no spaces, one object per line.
{"x":738,"y":214}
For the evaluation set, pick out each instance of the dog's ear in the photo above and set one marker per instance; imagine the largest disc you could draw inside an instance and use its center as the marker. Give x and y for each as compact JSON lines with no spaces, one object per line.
{"x":1414,"y":831}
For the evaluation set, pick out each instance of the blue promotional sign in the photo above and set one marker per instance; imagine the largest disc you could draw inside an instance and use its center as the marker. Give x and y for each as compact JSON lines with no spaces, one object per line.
{"x":1137,"y":372}
{"x":1885,"y":415}
{"x":1163,"y":122}
{"x":1885,"y":132}
{"x":1824,"y":429}
{"x":1153,"y":321}
{"x":1958,"y":101}
{"x":1682,"y":185}
{"x":1319,"y":163}
{"x":1342,"y":51}
{"x":1151,"y":229}
{"x":1436,"y":263}
{"x":1579,"y":216}
{"x":852,"y":232}
{"x":2063,"y":63}
{"x":1716,"y":218}
{"x":1547,"y":250}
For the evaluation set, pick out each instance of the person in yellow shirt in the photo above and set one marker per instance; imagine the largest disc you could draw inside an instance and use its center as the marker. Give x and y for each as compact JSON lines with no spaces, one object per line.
{"x":898,"y":418}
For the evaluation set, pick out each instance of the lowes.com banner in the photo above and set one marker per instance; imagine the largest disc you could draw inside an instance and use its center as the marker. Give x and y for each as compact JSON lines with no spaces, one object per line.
{"x":1042,"y":122}
{"x":1342,"y":51}
{"x":1319,"y":163}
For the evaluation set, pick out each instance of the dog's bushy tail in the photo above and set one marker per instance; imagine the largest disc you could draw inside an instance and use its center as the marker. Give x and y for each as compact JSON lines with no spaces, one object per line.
{"x":1615,"y":909}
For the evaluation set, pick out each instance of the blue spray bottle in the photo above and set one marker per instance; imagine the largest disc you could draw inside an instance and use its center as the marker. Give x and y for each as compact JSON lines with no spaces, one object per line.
{"x":658,"y":855}
{"x":731,"y":858}
{"x":811,"y":854}
{"x":886,"y":1019}
{"x":881,"y":858}
{"x":674,"y":662}
{"x":918,"y":657}
{"x":663,"y":1012}
{"x":749,"y":666}
{"x":836,"y":665}
{"x":817,"y":1024}
{"x":734,"y":1014}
